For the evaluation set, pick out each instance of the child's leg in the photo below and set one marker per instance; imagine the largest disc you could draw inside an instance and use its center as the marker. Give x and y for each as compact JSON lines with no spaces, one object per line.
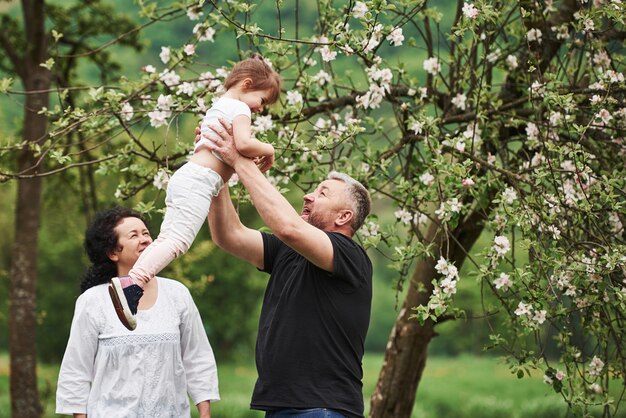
{"x":188,"y":200}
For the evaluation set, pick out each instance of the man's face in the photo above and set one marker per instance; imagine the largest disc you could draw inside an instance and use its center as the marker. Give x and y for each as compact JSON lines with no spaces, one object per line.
{"x":322,"y":206}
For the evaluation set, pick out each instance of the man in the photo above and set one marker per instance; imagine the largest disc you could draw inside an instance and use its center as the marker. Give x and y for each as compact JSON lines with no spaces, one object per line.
{"x":316,"y":307}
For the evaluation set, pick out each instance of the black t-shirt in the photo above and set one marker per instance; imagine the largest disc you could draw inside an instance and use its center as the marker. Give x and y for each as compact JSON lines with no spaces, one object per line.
{"x":312,"y":329}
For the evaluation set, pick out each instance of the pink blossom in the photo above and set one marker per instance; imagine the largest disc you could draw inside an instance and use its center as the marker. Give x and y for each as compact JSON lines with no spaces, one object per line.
{"x":468,"y":182}
{"x":470,"y":11}
{"x":189,"y":49}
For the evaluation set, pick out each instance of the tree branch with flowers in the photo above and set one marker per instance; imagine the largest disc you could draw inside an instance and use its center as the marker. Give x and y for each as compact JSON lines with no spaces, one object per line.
{"x":502,"y":121}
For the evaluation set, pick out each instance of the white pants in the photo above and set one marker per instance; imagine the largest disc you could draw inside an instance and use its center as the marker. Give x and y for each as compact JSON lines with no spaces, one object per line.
{"x":187,"y":203}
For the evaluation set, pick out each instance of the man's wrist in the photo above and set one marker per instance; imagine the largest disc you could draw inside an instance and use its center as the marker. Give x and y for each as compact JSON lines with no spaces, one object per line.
{"x":242,"y":163}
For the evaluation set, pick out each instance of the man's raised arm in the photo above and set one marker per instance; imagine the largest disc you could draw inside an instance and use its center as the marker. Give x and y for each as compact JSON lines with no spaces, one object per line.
{"x":228,"y":233}
{"x":277,"y":213}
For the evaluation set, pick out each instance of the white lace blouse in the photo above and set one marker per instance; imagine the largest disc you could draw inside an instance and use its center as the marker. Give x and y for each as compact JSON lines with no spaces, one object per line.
{"x":108,"y":371}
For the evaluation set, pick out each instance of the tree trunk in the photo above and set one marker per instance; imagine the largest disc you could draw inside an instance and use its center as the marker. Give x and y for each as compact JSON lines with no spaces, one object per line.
{"x":23,"y":281}
{"x":405,"y":356}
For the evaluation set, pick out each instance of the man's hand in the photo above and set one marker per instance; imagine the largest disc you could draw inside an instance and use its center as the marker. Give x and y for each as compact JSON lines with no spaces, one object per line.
{"x":225,"y":144}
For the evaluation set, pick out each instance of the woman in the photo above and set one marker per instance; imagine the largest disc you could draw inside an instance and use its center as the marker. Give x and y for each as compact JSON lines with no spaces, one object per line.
{"x":108,"y":371}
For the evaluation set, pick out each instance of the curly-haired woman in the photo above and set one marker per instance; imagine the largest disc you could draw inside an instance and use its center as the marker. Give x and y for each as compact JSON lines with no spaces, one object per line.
{"x":108,"y":371}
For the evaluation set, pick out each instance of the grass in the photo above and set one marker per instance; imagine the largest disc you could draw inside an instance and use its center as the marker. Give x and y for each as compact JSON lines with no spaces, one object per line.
{"x":459,"y":387}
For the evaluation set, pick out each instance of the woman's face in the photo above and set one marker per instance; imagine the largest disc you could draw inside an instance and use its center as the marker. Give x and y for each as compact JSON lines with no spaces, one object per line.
{"x":132,"y":238}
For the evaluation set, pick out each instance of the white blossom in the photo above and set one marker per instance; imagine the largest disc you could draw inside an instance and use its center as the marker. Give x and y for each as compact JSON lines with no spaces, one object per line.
{"x":403,"y":216}
{"x":540,"y":316}
{"x":148,"y":69}
{"x":370,"y":229}
{"x":204,"y":34}
{"x":523,"y":309}
{"x":493,"y":56}
{"x":432,"y":66}
{"x":602,"y":59}
{"x":595,"y":99}
{"x":417,"y":127}
{"x":503,"y":282}
{"x":186,"y":88}
{"x":294,"y":98}
{"x":605,"y":115}
{"x":194,"y":13}
{"x":534,"y":35}
{"x":511,"y":62}
{"x":427,"y":179}
{"x":396,"y":37}
{"x":595,"y":367}
{"x":127,"y":111}
{"x":165,"y":54}
{"x":165,"y":102}
{"x":562,"y":32}
{"x":263,"y":123}
{"x":160,"y":180}
{"x":158,"y":118}
{"x":596,"y":388}
{"x":169,"y":78}
{"x":615,"y":223}
{"x":359,"y":9}
{"x":589,"y":25}
{"x":470,"y":11}
{"x":468,"y":182}
{"x":501,"y":245}
{"x":537,"y":88}
{"x":189,"y":49}
{"x":322,"y":78}
{"x":509,"y":195}
{"x":460,"y":101}
{"x":327,"y":54}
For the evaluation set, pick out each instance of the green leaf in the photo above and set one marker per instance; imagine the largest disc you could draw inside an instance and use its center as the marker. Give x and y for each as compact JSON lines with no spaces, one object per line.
{"x":5,"y":84}
{"x":48,"y":64}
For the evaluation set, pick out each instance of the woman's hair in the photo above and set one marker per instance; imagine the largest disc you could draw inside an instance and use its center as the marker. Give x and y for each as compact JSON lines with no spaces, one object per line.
{"x":262,"y":75}
{"x":100,"y":241}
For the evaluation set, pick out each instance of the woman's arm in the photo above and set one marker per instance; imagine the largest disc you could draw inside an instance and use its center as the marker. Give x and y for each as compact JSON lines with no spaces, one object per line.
{"x":76,"y":372}
{"x":197,"y":354}
{"x":204,"y":409}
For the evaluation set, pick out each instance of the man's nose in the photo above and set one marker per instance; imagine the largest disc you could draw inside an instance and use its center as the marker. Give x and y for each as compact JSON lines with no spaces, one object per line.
{"x":309,"y":197}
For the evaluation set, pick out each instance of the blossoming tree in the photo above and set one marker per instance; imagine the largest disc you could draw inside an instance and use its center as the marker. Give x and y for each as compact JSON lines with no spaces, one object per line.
{"x":496,"y":119}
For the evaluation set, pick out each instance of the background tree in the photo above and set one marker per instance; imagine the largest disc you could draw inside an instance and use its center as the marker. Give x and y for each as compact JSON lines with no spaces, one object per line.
{"x":30,"y":52}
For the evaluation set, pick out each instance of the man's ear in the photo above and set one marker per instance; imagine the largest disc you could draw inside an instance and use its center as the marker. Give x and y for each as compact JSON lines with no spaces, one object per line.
{"x":345,"y":217}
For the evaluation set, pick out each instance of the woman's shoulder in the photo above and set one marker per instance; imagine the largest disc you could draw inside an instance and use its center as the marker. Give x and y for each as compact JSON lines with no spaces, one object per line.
{"x":95,"y":294}
{"x":173,"y":286}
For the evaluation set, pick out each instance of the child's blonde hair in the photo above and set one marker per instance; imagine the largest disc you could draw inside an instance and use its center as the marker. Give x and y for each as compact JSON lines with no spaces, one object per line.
{"x":262,"y":75}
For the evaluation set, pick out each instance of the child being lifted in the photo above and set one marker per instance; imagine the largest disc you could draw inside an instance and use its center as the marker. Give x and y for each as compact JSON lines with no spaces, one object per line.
{"x":251,"y":85}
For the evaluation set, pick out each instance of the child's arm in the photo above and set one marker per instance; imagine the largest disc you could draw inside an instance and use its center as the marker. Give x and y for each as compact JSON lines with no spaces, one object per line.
{"x":246,"y":145}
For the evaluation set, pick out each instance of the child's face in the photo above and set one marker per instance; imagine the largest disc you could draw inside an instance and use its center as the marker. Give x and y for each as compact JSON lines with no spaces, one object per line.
{"x":255,"y":99}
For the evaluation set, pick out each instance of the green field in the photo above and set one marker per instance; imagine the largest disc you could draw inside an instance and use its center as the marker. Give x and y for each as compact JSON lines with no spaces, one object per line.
{"x":460,"y":387}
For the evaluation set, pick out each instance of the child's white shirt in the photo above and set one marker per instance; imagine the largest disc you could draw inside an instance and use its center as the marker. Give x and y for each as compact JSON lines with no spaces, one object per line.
{"x":226,"y":108}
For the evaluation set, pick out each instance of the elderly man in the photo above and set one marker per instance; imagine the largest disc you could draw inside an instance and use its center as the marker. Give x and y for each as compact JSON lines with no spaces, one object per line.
{"x":317,"y":303}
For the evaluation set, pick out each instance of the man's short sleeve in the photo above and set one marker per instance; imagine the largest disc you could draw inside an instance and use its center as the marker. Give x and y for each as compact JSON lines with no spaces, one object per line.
{"x":350,"y":261}
{"x":271,"y":245}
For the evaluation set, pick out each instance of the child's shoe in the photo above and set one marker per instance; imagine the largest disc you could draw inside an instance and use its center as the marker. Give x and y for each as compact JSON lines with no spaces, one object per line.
{"x":125,"y":300}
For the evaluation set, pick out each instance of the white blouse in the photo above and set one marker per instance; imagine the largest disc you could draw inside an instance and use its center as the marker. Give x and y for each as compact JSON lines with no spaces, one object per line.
{"x":108,"y":371}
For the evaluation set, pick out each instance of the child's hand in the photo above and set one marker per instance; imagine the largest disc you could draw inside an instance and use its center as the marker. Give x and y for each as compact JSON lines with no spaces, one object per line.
{"x":265,"y":162}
